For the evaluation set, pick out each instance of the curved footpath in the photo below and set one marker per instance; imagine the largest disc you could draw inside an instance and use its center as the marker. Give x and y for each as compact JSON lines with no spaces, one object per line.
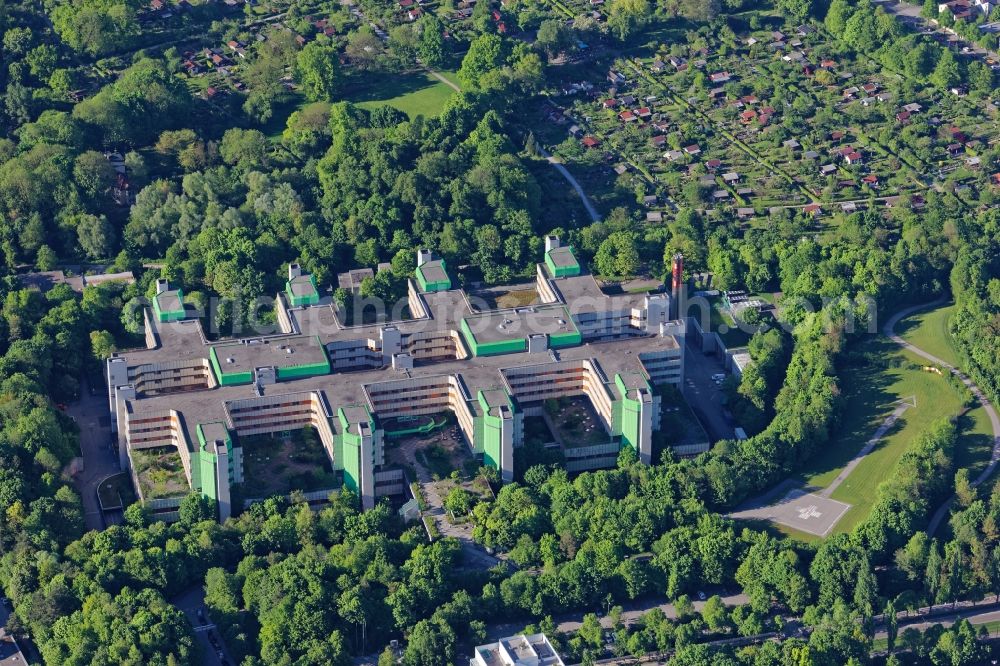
{"x":991,"y":412}
{"x":591,"y":211}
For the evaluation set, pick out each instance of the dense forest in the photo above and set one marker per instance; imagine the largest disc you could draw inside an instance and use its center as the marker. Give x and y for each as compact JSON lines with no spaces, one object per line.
{"x":219,"y":193}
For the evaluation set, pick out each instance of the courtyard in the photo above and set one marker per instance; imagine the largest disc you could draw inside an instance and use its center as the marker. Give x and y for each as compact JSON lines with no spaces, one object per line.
{"x":160,"y":473}
{"x":445,"y":479}
{"x":574,"y":422}
{"x":277,"y":465}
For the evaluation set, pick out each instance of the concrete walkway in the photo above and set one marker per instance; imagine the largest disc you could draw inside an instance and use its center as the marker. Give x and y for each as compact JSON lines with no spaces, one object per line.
{"x":867,"y":448}
{"x":475,"y":555}
{"x":991,"y":412}
{"x":793,"y":508}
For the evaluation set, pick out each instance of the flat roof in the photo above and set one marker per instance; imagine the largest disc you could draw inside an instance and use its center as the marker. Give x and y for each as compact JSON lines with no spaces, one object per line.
{"x":433,"y":271}
{"x":101,"y":278}
{"x":248,"y":355}
{"x":519,"y":650}
{"x":344,"y":389}
{"x":582,"y":293}
{"x":41,"y":280}
{"x":352,"y":279}
{"x":563,"y":257}
{"x":215,"y":434}
{"x":495,"y":326}
{"x":439,"y":313}
{"x":497,"y":401}
{"x":633,"y":382}
{"x":302,"y":286}
{"x":170,"y":301}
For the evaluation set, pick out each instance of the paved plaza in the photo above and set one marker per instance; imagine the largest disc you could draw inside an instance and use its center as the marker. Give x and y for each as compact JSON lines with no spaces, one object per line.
{"x":800,"y":510}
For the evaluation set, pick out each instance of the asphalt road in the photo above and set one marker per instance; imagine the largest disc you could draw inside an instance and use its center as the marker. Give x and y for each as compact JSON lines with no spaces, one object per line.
{"x":190,"y":602}
{"x":703,"y":394}
{"x":991,"y":412}
{"x":99,"y":461}
{"x":910,"y":15}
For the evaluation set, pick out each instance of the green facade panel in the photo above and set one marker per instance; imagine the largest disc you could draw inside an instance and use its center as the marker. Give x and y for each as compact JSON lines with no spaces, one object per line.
{"x":572,"y":339}
{"x":352,"y":465}
{"x":630,"y":416}
{"x":433,"y":284}
{"x":501,"y":347}
{"x":350,"y":448}
{"x":169,"y":314}
{"x":492,"y":442}
{"x":631,"y":420}
{"x":307,"y":369}
{"x":489,"y":432}
{"x":478,"y":348}
{"x":563,"y":268}
{"x":207,"y":463}
{"x":227,"y":378}
{"x":310,"y":297}
{"x":204,"y":464}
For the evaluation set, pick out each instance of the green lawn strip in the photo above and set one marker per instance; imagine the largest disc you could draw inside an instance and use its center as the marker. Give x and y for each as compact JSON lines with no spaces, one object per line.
{"x":928,"y":330}
{"x":975,"y":442}
{"x":563,"y":8}
{"x":415,"y":94}
{"x":878,"y":377}
{"x":793,"y":533}
{"x":733,"y":337}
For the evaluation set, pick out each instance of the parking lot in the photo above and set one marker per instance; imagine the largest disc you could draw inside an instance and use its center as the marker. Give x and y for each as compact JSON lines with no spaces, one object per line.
{"x":704,"y":393}
{"x":100,"y":460}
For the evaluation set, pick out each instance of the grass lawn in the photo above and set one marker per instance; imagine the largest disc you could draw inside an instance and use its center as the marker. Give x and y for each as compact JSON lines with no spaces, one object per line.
{"x":929,"y":331}
{"x":975,"y":444}
{"x":878,"y":374}
{"x":518,"y":298}
{"x":415,"y":93}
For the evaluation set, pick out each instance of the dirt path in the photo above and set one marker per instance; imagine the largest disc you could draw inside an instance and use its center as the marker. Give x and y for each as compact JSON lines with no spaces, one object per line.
{"x":440,"y":77}
{"x":991,"y":412}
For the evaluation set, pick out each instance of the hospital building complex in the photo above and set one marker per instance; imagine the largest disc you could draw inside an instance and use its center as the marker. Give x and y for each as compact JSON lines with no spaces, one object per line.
{"x":489,"y":368}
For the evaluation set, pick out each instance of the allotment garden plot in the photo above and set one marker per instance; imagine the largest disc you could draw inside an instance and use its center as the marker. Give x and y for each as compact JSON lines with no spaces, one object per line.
{"x":775,"y":119}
